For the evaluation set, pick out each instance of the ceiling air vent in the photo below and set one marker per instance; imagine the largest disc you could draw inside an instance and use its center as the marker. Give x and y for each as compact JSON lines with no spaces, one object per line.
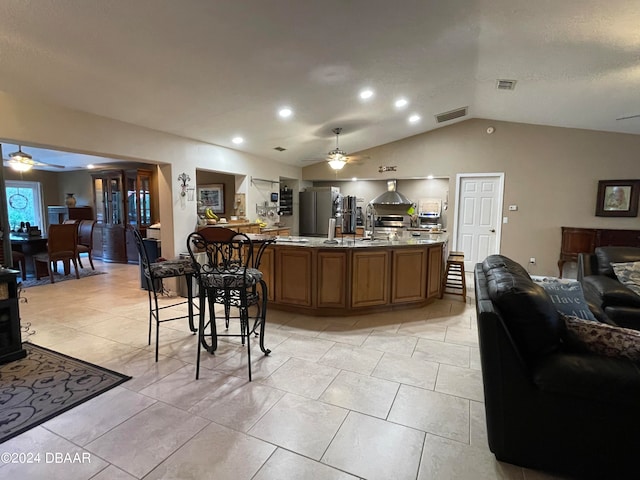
{"x":280,"y":149}
{"x":453,"y":114}
{"x":506,"y":84}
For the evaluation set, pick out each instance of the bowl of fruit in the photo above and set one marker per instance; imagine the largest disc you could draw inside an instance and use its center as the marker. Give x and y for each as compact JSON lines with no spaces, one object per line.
{"x":211,"y":217}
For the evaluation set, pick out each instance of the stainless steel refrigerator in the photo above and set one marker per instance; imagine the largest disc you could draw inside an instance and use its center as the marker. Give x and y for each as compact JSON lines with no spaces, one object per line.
{"x":317,"y":206}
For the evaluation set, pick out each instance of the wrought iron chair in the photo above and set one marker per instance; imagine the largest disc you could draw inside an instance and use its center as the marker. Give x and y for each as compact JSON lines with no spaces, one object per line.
{"x":226,"y":276}
{"x":154,"y":272}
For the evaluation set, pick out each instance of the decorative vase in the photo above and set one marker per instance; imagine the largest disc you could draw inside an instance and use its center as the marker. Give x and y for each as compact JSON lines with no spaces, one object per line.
{"x":70,"y":201}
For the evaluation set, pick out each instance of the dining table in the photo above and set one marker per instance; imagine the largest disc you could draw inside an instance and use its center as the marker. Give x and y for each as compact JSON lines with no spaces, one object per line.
{"x":29,"y":245}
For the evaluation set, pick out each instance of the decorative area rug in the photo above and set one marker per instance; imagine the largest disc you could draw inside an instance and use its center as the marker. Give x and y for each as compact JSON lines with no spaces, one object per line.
{"x":45,"y":384}
{"x":60,"y":277}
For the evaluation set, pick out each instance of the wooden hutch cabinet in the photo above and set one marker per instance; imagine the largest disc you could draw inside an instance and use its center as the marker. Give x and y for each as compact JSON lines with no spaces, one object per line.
{"x":585,"y":240}
{"x":122,"y":197}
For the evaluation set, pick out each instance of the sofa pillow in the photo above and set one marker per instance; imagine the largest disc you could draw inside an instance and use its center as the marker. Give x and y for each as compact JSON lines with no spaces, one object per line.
{"x":602,"y":339}
{"x":566,"y":295}
{"x":629,"y":275}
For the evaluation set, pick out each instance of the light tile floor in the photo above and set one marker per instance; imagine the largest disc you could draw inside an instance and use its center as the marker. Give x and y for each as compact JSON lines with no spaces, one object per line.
{"x":387,"y":395}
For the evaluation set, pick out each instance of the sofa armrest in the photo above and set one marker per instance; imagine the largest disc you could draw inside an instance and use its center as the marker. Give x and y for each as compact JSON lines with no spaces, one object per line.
{"x":627,"y":317}
{"x":612,"y":292}
{"x":588,"y":376}
{"x":594,"y":301}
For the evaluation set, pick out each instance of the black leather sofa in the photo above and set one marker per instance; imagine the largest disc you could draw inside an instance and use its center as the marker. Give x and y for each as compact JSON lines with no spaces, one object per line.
{"x":621,"y":306}
{"x":549,"y":408}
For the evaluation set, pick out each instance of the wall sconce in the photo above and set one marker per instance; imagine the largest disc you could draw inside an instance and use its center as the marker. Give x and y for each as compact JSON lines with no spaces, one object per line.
{"x":186,"y":190}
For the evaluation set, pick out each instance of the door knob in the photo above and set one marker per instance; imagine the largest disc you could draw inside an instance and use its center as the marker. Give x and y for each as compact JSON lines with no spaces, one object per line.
{"x":492,"y":230}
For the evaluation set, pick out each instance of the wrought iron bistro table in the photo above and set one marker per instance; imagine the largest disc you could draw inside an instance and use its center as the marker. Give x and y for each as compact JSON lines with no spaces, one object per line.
{"x":233,"y":280}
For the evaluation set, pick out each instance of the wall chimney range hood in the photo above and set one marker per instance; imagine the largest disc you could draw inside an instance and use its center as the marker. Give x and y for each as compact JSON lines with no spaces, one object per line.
{"x":391,"y":196}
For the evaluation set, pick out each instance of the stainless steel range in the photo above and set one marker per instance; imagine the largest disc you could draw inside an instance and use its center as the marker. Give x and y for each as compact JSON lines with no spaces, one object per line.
{"x":388,"y":226}
{"x":392,"y":221}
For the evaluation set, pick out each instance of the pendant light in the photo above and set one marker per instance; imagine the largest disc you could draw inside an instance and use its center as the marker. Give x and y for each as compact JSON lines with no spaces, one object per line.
{"x":337,"y":158}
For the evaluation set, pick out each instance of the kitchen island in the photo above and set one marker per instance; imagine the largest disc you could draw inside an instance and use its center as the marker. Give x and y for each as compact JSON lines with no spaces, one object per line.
{"x":353,"y":276}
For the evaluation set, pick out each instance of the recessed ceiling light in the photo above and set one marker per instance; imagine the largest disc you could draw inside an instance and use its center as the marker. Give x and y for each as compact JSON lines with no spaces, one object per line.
{"x":414,"y":118}
{"x":285,"y":112}
{"x":237,"y":140}
{"x":401,"y":103}
{"x":366,"y":94}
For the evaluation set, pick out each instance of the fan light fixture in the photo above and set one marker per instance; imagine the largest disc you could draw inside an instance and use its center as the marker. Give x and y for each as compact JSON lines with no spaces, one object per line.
{"x":337,"y":158}
{"x":20,"y":161}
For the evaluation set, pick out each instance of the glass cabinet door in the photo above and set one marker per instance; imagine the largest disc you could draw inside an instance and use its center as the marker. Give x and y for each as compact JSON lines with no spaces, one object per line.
{"x":132,"y":201}
{"x":115,"y":200}
{"x":144,"y":186}
{"x":99,"y":199}
{"x":139,"y":198}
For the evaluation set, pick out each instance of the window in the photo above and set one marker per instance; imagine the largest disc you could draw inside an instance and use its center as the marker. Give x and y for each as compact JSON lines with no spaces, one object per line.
{"x":24,"y":203}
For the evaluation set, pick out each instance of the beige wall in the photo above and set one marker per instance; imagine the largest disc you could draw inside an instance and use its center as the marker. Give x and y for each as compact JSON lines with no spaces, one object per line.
{"x":29,"y":122}
{"x":550,"y":173}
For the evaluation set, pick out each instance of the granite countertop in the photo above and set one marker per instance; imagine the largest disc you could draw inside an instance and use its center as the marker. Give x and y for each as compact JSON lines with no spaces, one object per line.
{"x":319,"y":242}
{"x":271,"y":229}
{"x":424,"y":230}
{"x":231,"y":224}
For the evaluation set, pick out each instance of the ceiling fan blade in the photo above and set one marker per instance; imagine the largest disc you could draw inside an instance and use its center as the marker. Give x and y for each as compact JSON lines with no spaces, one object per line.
{"x":30,"y":161}
{"x":358,"y":159}
{"x":22,"y":157}
{"x":43,"y":164}
{"x":629,"y":117}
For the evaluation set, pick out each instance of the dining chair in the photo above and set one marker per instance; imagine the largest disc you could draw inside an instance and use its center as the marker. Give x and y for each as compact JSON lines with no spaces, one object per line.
{"x":226,"y":276}
{"x":62,"y":244}
{"x":154,"y":272}
{"x":85,"y":240}
{"x":20,"y":261}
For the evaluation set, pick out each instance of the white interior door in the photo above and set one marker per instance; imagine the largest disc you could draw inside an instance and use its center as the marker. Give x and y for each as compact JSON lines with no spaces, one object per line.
{"x":478,"y":216}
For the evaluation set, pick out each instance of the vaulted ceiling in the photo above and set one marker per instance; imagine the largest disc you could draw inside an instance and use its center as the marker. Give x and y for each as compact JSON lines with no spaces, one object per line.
{"x":215,"y":70}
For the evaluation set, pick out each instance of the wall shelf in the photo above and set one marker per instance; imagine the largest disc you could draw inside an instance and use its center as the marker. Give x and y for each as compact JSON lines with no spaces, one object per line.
{"x":286,"y":201}
{"x":262,"y":180}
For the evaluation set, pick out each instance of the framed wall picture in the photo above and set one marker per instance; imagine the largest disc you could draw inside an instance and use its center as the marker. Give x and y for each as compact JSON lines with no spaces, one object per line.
{"x":212,"y":196}
{"x":618,"y":198}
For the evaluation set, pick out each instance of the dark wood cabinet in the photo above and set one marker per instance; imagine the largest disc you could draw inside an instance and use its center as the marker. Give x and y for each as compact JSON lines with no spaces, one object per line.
{"x":10,"y":338}
{"x":122,"y":197}
{"x":585,"y":240}
{"x":59,"y":213}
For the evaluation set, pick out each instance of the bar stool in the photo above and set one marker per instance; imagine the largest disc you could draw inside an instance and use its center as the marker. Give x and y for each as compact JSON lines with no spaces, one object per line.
{"x":154,"y":272}
{"x":454,"y":276}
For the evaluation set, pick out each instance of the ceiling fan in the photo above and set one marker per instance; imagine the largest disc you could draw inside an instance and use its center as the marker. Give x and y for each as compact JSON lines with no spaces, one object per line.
{"x":338,"y":158}
{"x":23,"y":162}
